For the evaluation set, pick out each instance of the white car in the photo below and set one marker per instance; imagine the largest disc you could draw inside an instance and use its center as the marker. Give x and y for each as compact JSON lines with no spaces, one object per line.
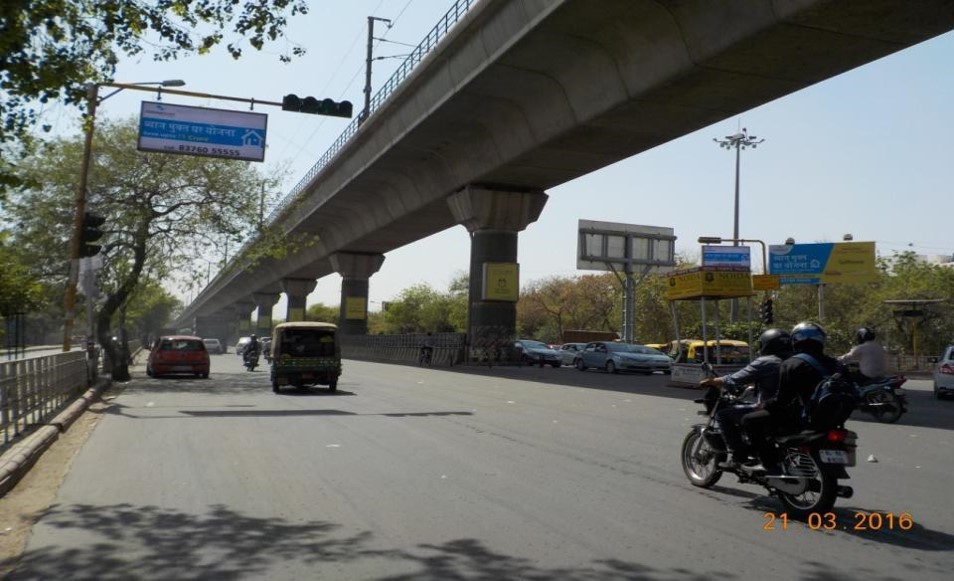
{"x":240,"y":346}
{"x":944,"y":374}
{"x":213,"y":346}
{"x":569,"y":351}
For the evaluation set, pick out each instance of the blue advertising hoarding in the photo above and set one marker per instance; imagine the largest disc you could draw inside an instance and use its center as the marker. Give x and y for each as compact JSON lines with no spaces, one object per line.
{"x":738,"y":256}
{"x":202,"y":131}
{"x":823,"y":263}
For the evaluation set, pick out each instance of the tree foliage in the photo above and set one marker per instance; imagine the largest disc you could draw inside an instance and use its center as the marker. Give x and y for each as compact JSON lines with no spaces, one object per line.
{"x":50,"y":49}
{"x":421,"y":309}
{"x":323,"y":313}
{"x":20,"y":289}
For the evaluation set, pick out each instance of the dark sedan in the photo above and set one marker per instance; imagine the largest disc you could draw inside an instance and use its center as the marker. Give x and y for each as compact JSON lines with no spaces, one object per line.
{"x":537,"y":352}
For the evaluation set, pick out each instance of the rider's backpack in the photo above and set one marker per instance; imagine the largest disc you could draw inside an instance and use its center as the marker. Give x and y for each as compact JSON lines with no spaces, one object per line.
{"x":833,"y":399}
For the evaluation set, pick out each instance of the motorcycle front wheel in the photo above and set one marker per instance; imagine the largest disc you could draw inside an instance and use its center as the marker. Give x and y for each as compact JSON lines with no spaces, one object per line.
{"x":885,"y":406}
{"x":819,"y":496}
{"x":700,"y":461}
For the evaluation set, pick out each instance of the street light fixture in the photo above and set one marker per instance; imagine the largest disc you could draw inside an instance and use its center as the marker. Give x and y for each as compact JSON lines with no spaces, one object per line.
{"x":92,"y":100}
{"x":739,"y":141}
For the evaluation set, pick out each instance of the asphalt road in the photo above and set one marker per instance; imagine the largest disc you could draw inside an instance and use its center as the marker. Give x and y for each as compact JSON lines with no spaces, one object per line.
{"x":433,"y":474}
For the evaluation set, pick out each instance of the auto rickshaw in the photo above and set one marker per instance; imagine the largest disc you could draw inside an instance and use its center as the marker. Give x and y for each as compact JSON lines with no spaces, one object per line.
{"x":305,"y":353}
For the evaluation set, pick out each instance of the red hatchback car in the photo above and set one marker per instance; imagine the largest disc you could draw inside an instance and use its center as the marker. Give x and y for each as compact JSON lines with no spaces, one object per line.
{"x":178,"y":354}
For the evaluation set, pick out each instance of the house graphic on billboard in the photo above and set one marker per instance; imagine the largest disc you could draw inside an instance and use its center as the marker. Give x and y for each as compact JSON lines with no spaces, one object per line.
{"x":252,"y":138}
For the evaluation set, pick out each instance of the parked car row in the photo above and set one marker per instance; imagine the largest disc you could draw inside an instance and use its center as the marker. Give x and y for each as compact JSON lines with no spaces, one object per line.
{"x":610,"y":356}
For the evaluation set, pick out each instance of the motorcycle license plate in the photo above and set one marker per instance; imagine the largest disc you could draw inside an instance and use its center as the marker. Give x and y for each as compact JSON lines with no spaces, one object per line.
{"x":833,"y":456}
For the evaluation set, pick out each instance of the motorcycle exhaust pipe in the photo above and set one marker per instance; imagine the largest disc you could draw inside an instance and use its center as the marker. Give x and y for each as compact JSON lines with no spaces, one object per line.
{"x":787,"y":484}
{"x":846,"y":491}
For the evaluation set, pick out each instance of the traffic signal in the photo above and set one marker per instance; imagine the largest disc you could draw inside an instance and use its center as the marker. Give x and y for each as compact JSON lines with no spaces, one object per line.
{"x":767,"y":315}
{"x":316,"y":106}
{"x":91,"y":233}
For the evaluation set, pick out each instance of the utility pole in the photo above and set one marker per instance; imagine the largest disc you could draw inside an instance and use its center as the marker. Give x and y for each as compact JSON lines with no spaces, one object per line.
{"x":367,"y":71}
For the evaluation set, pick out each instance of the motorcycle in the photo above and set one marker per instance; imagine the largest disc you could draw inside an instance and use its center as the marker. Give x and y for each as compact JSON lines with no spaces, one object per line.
{"x":812,"y":462}
{"x":250,"y":360}
{"x":884,"y":399}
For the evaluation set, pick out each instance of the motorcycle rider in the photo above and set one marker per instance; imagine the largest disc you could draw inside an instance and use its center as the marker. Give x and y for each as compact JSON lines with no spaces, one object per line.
{"x":870,"y":356}
{"x":427,"y":348}
{"x":252,"y":348}
{"x":775,"y":345}
{"x":797,"y":381}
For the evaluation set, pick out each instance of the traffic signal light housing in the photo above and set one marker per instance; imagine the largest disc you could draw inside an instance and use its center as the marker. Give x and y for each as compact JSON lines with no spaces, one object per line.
{"x":767,"y":315}
{"x":317,"y":106}
{"x":91,"y":233}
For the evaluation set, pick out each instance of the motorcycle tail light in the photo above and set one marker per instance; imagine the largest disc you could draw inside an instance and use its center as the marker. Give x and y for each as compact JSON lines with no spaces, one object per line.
{"x":947,"y":369}
{"x":837,"y":436}
{"x":900,"y":381}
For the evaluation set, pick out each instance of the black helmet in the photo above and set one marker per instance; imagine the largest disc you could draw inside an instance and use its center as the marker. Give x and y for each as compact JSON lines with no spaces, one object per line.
{"x":805,"y":333}
{"x":864,"y":334}
{"x":775,"y":342}
{"x":253,"y":336}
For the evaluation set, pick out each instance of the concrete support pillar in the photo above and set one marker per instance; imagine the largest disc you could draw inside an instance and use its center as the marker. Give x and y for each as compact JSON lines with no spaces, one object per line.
{"x":494,"y":217}
{"x":265,"y":302}
{"x":297,"y":291}
{"x":243,"y":320}
{"x":217,"y":326}
{"x":355,"y":270}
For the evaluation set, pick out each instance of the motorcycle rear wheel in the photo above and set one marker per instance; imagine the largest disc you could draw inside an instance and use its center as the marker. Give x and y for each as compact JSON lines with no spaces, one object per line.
{"x":821,"y":493}
{"x":700,"y":461}
{"x":886,"y":407}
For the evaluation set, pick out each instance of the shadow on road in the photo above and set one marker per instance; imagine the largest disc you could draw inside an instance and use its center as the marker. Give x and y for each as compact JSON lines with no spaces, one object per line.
{"x":147,"y":542}
{"x":923,"y":410}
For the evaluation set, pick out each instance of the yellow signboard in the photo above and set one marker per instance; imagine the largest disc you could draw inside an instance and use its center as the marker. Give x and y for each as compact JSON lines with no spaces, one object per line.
{"x":501,"y":281}
{"x":295,"y":315}
{"x":766,"y":282}
{"x":708,"y":283}
{"x":851,"y":263}
{"x":356,"y":308}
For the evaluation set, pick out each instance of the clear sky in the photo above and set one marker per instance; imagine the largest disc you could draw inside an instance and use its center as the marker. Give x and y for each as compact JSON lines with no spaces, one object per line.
{"x":868,"y":152}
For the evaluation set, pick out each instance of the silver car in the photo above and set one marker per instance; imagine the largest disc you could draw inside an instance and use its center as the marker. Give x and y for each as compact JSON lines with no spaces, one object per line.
{"x":615,"y":357}
{"x":944,"y":374}
{"x":569,"y":351}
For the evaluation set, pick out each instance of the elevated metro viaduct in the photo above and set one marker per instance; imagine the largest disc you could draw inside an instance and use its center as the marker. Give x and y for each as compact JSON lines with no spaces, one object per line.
{"x":521,"y":96}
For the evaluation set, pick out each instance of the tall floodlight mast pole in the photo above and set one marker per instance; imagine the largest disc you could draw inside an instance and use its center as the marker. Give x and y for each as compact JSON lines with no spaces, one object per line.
{"x":739,"y":141}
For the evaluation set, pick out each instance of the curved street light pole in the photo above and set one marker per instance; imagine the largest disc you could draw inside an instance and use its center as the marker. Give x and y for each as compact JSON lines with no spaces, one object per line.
{"x":89,"y":122}
{"x":739,"y":141}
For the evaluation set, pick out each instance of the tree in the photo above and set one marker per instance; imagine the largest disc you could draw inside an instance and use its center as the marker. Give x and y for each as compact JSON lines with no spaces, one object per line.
{"x":421,"y":309}
{"x":150,"y":308}
{"x":20,"y":289}
{"x":323,"y":313}
{"x":50,"y":49}
{"x":161,"y":210}
{"x":550,"y":306}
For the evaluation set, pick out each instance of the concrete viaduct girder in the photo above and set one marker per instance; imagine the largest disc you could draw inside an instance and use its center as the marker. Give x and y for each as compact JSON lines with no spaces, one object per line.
{"x":529,"y":95}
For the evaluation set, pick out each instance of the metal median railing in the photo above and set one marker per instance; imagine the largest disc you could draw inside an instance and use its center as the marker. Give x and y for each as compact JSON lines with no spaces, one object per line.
{"x":33,"y":390}
{"x":449,"y":348}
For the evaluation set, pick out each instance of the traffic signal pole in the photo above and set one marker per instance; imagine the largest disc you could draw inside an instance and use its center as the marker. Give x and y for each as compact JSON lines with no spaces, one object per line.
{"x":69,"y":301}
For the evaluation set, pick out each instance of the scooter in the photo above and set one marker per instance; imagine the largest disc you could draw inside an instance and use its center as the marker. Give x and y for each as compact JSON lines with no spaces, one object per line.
{"x":884,"y":399}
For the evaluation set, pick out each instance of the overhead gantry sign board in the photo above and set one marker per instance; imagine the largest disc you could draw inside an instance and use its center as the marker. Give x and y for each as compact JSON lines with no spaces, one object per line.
{"x":608,"y":245}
